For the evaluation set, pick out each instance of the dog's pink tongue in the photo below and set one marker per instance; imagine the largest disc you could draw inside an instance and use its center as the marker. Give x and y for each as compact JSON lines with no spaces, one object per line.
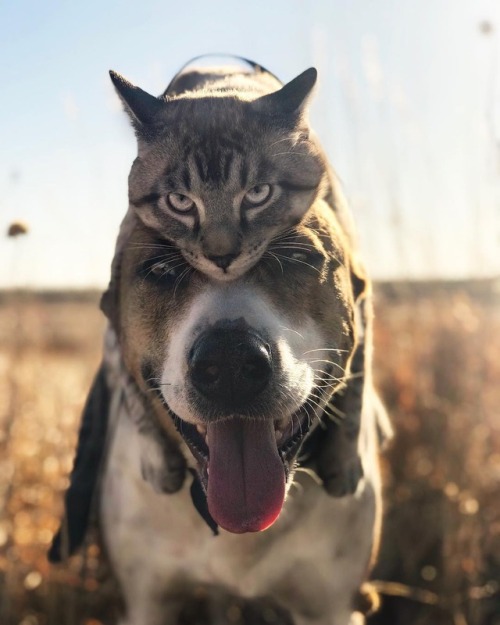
{"x":246,"y":480}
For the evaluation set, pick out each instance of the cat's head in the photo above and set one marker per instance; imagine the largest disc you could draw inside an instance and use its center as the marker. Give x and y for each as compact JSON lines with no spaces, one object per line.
{"x":225,"y":167}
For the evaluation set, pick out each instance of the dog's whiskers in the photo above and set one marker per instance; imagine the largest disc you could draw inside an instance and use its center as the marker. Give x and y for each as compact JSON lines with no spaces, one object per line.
{"x":339,"y":414}
{"x":285,"y":329}
{"x":312,"y":474}
{"x":328,"y":362}
{"x":326,"y":349}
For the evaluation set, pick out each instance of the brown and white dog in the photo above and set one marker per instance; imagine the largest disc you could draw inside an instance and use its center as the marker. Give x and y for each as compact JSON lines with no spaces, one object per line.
{"x":215,"y":401}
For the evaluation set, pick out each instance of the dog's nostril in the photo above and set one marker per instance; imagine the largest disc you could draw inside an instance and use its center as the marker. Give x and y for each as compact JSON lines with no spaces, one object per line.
{"x":256,"y":368}
{"x":206,"y":373}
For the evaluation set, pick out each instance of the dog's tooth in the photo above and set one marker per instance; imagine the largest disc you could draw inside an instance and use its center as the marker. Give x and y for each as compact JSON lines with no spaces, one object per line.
{"x":202,"y":430}
{"x":278,"y":434}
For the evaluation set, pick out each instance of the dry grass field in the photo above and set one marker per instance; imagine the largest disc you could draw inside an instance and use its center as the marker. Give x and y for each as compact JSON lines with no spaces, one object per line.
{"x":438,"y":366}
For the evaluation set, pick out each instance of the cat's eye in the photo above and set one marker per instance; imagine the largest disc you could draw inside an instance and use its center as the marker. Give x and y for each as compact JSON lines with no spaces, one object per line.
{"x":257,"y":196}
{"x":179,"y":202}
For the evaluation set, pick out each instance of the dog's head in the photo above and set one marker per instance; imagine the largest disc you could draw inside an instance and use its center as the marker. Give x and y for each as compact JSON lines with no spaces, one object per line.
{"x":243,"y":368}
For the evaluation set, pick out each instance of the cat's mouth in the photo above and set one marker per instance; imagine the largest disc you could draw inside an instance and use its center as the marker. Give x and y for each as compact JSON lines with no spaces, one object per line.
{"x":244,"y":465}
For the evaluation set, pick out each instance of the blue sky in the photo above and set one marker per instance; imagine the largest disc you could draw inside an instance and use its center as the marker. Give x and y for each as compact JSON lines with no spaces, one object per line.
{"x":407,"y":106}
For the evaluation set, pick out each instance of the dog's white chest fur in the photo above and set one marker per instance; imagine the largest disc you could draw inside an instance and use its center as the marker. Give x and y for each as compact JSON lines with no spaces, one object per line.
{"x":160,"y":546}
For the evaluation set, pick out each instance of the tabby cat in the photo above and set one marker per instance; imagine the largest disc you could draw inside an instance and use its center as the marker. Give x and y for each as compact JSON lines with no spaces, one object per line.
{"x":226,"y":166}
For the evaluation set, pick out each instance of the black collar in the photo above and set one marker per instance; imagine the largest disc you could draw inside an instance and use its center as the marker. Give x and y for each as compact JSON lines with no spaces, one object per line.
{"x":200,"y":502}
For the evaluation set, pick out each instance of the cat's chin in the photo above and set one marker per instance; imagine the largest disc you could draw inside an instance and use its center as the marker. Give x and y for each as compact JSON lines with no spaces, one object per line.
{"x":214,"y":272}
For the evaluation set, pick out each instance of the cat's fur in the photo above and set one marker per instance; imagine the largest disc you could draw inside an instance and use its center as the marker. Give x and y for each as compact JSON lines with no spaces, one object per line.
{"x":211,"y":146}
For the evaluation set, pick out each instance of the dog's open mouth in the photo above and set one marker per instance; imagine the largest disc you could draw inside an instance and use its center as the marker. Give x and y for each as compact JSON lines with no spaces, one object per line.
{"x":244,"y":464}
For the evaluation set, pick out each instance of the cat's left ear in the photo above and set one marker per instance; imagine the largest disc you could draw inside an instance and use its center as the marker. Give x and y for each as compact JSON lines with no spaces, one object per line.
{"x":140,"y":106}
{"x":290,"y":99}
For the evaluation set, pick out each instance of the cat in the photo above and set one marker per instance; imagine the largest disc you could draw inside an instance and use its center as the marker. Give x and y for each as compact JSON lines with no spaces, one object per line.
{"x":224,"y":167}
{"x":227,"y":165}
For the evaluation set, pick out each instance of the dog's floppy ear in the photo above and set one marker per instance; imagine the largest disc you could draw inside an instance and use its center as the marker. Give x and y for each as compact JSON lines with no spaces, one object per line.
{"x":110,"y":304}
{"x":81,"y":493}
{"x":338,"y":463}
{"x":110,"y":300}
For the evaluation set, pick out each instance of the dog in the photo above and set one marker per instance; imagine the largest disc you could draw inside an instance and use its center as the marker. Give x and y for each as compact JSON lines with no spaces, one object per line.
{"x":217,"y":423}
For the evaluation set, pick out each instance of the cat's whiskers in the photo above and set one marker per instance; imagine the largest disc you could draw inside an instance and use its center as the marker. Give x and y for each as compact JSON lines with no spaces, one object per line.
{"x":181,"y":277}
{"x":288,"y":237}
{"x":165,"y":257}
{"x":296,"y":260}
{"x":275,"y":257}
{"x":292,"y":246}
{"x":278,"y":141}
{"x":142,"y":245}
{"x":291,"y":153}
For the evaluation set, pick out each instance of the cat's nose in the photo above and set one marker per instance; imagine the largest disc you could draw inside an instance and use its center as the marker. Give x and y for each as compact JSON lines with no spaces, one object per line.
{"x":223,"y":261}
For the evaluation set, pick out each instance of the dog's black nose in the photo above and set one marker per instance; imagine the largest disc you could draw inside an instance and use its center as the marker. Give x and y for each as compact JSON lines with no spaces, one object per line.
{"x":230,"y":367}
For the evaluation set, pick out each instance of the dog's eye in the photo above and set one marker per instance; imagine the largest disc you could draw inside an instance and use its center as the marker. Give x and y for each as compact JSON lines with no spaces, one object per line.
{"x":163,"y":272}
{"x":303,"y":256}
{"x":300,"y":257}
{"x":305,"y":259}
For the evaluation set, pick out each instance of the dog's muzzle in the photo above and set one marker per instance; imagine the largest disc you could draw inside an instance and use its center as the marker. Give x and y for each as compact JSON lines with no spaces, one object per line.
{"x":243,"y":397}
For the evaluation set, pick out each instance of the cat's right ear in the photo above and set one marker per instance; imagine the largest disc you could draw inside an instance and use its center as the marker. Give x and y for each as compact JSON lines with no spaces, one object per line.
{"x":292,"y":98}
{"x":141,"y":107}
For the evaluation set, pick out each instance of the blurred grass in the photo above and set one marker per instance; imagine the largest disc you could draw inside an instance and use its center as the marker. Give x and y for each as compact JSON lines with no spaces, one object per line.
{"x":50,"y":346}
{"x":438,"y":366}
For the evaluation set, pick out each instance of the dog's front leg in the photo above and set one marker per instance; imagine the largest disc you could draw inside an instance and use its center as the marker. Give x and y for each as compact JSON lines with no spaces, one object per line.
{"x":162,"y":465}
